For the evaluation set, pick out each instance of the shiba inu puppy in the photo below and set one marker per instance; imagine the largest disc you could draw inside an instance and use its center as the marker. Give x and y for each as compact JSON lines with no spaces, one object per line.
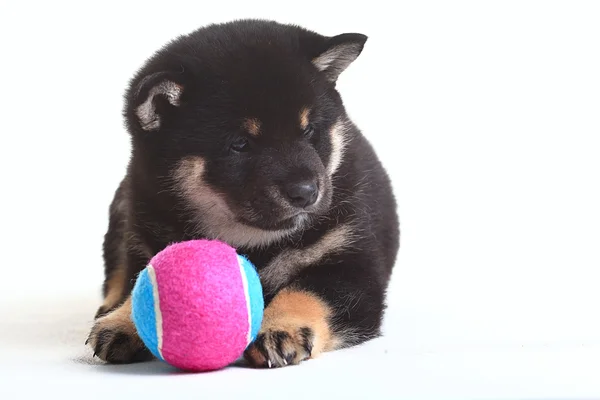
{"x":239,"y":134}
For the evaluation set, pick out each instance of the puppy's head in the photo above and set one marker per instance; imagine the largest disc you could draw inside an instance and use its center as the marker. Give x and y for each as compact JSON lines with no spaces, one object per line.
{"x":244,"y":120}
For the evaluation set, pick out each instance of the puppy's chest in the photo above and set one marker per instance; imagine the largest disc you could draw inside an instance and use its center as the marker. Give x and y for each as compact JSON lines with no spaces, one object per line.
{"x":263,"y":257}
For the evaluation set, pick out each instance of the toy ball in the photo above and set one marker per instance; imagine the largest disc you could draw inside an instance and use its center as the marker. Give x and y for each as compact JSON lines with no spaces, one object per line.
{"x":198,"y":305}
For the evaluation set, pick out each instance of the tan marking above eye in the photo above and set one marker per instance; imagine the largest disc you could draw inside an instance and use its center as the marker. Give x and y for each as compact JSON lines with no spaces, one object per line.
{"x":252,"y":125}
{"x":304,"y":114}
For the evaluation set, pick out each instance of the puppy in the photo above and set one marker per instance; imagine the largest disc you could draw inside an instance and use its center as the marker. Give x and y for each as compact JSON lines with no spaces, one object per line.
{"x":239,"y":134}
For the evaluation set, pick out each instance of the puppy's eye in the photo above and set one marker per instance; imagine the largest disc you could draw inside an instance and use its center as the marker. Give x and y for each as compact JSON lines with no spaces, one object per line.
{"x":309,"y":131}
{"x":240,"y":144}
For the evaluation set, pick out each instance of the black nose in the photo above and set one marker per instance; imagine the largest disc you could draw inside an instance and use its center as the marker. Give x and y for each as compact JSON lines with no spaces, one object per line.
{"x":302,"y":194}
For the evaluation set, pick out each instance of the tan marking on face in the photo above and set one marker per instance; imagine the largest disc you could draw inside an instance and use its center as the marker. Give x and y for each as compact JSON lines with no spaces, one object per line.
{"x":290,"y":262}
{"x":215,"y":219}
{"x":304,"y":114}
{"x":291,"y":310}
{"x":114,"y":287}
{"x":337,"y":135}
{"x":252,"y":126}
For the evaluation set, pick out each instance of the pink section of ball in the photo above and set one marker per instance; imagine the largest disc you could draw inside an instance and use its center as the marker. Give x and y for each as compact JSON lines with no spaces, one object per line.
{"x":203,"y":305}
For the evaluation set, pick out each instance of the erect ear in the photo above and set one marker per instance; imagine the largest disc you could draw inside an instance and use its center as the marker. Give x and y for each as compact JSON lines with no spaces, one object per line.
{"x":156,"y":93}
{"x":338,"y":53}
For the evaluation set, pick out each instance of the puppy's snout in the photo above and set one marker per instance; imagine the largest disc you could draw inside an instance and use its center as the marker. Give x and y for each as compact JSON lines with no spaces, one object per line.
{"x":302,"y":194}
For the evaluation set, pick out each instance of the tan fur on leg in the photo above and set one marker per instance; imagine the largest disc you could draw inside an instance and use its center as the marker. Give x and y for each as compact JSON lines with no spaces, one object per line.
{"x":295,"y":327}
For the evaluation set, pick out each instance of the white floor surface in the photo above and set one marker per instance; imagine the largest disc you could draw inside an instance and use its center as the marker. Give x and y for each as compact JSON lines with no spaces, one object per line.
{"x":42,"y":354}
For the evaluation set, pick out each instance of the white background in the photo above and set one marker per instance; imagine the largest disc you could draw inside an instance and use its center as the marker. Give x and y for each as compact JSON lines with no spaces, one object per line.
{"x":487,"y":117}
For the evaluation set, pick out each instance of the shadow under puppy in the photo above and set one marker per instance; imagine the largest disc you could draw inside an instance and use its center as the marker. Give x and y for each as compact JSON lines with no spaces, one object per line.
{"x":238,"y":133}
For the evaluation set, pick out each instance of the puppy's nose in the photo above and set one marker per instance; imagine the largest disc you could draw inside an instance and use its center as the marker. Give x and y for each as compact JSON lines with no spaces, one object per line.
{"x":302,"y":194}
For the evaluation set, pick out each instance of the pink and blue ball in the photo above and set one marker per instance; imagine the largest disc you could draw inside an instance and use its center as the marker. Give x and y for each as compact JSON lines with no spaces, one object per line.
{"x":198,"y":305}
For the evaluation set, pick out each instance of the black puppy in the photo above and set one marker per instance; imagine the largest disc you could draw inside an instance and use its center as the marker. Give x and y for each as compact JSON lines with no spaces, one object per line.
{"x":238,"y":134}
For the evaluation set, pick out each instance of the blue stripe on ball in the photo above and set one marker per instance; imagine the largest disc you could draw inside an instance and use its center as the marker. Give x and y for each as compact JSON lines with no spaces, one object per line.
{"x":254,"y":296}
{"x":143,"y":311}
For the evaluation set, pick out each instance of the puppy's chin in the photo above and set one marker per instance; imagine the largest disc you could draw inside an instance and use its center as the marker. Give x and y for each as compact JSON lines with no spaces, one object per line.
{"x":294,"y":222}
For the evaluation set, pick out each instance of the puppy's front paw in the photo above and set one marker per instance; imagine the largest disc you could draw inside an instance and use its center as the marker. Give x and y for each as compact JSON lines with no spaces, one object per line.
{"x":295,"y":327}
{"x":277,"y":347}
{"x":115,"y":340}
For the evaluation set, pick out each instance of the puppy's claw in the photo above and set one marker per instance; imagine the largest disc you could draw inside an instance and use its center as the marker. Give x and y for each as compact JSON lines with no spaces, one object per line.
{"x":280,"y":348}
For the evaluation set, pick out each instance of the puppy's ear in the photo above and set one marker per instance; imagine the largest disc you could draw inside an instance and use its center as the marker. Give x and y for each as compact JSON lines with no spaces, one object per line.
{"x":338,"y":53}
{"x":155,"y":96}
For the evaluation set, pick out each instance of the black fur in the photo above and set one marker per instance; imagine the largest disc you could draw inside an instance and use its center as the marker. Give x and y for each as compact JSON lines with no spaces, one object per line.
{"x":261,"y":70}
